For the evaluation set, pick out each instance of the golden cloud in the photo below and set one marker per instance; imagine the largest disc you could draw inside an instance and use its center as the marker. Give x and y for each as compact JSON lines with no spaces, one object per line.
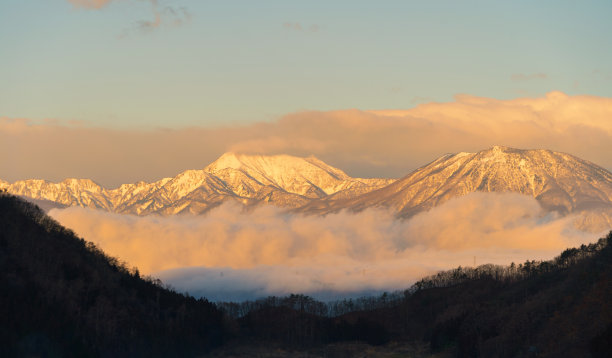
{"x":271,"y":252}
{"x":387,"y":143}
{"x":90,"y":4}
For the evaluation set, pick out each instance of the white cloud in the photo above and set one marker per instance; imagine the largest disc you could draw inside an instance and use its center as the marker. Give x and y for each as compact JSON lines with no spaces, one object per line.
{"x":363,"y":143}
{"x":230,"y":254}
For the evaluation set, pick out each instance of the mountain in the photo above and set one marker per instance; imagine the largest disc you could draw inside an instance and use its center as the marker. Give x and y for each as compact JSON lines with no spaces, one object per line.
{"x":70,"y":192}
{"x":309,"y":177}
{"x":281,"y":180}
{"x":558,"y":181}
{"x":63,"y":297}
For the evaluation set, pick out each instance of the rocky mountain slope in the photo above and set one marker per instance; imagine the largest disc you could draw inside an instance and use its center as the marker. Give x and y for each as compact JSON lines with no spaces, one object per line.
{"x":560,"y":182}
{"x":281,"y":180}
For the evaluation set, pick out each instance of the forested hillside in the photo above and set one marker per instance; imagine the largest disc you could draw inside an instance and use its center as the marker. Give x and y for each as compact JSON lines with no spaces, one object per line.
{"x":62,"y":296}
{"x":557,"y":308}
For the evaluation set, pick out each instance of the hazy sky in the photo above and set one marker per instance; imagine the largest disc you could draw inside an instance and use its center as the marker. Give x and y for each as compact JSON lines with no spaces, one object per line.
{"x":177,"y":63}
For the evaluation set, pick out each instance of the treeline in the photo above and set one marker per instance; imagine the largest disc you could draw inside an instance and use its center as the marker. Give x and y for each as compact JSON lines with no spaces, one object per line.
{"x":309,"y":305}
{"x":512,"y":272}
{"x":62,"y":296}
{"x":505,"y":274}
{"x":534,"y":309}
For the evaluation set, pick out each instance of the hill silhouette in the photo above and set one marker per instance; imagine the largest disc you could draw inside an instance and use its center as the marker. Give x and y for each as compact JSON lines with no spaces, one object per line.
{"x":556,"y":308}
{"x":62,"y":296}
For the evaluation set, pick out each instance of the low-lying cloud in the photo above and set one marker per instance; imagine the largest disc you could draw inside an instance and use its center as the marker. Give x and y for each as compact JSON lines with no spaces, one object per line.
{"x":388,"y":143}
{"x":232,"y":254}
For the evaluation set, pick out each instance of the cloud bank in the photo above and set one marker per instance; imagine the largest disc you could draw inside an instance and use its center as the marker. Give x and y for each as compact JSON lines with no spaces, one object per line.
{"x":230,"y":254}
{"x":387,"y":143}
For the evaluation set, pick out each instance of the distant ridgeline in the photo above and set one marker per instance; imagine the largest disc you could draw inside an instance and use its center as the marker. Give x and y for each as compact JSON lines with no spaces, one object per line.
{"x":559,"y":182}
{"x":62,"y":296}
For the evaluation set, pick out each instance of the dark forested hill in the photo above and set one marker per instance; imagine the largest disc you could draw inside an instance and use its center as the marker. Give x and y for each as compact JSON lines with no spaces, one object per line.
{"x":61,"y":296}
{"x":557,"y":308}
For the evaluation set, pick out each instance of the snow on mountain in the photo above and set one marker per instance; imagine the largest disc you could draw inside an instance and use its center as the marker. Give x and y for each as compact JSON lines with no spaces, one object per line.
{"x":308,"y":177}
{"x":281,"y":180}
{"x":80,"y":192}
{"x":560,"y":182}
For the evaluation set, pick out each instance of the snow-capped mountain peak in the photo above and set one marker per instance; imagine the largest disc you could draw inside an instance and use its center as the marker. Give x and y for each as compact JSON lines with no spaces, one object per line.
{"x":302,"y":176}
{"x":227,"y":160}
{"x":560,"y":182}
{"x":282,"y":180}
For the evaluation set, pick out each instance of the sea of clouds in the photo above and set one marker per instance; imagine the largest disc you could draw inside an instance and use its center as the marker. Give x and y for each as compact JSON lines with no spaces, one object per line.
{"x":230,"y":254}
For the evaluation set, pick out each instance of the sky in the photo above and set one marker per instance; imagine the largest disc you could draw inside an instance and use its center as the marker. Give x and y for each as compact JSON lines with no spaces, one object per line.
{"x":185,"y":63}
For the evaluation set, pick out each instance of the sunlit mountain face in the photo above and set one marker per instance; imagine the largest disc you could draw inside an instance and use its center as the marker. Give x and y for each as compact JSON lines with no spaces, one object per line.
{"x":281,"y":180}
{"x":560,"y":182}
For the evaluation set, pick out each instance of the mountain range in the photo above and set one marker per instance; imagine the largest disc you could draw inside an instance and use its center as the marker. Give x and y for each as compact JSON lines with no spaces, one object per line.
{"x":282,"y":180}
{"x":559,"y":182}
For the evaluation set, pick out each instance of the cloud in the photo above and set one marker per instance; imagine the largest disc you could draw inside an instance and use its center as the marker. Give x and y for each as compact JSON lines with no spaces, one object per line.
{"x":527,"y":77}
{"x":90,"y":4}
{"x":164,"y":16}
{"x":387,"y":143}
{"x":233,"y":254}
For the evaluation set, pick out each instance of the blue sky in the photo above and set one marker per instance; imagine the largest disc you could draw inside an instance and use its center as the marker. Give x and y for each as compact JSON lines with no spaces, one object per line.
{"x":233,"y":62}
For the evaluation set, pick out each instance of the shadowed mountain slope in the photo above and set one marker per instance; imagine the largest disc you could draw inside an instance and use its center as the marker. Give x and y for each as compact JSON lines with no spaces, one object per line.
{"x":62,"y":296}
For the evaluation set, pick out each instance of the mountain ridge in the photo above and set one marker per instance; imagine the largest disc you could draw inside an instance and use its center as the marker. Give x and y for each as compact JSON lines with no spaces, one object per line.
{"x":282,"y":180}
{"x":560,"y":182}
